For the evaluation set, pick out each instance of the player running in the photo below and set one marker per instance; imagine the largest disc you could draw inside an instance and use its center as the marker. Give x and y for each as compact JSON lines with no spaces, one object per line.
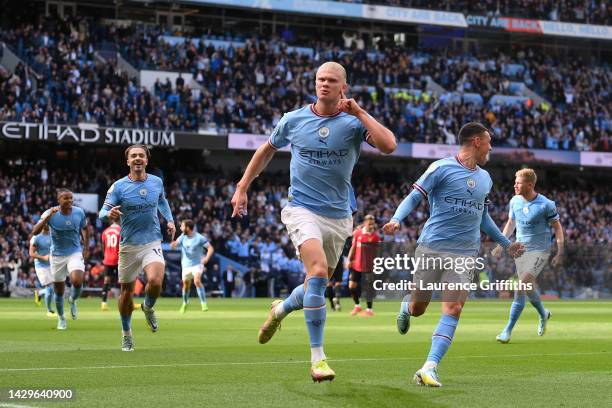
{"x":135,"y":201}
{"x":532,"y":214}
{"x":325,"y":140}
{"x":110,"y":242}
{"x":361,"y":258}
{"x":68,"y":224}
{"x":40,"y":248}
{"x":457,"y":190}
{"x":192,"y":246}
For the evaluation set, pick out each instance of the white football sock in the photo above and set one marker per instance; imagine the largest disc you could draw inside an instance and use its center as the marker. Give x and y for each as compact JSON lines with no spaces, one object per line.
{"x":316,"y":354}
{"x":429,"y":364}
{"x":279,"y":311}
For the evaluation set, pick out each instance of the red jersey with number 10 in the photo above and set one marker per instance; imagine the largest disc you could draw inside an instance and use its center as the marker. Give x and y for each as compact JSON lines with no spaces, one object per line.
{"x":365,"y":249}
{"x":110,"y":239}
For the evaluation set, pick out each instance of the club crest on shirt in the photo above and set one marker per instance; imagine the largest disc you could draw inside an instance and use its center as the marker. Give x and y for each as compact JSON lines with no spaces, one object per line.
{"x":323,"y":134}
{"x":142,"y":192}
{"x":471,"y":183}
{"x":68,"y":222}
{"x":525,"y":210}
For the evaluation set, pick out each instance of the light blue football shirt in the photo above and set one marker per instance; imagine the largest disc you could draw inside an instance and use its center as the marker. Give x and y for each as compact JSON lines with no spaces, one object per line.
{"x":192,"y":249}
{"x":324,"y":150}
{"x":66,"y":231}
{"x":139,"y":201}
{"x":533,"y":220}
{"x":457,"y":197}
{"x":42,"y":242}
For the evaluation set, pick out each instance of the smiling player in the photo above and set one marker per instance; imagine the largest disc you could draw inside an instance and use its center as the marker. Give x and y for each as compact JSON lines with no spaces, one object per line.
{"x":67,"y":223}
{"x":135,"y":201}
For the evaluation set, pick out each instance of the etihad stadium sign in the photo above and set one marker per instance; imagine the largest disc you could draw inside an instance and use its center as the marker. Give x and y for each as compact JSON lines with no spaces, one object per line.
{"x":86,"y":133}
{"x":92,"y":134}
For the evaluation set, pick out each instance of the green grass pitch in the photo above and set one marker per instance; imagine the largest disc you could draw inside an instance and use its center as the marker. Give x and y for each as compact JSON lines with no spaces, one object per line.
{"x":213,"y":359}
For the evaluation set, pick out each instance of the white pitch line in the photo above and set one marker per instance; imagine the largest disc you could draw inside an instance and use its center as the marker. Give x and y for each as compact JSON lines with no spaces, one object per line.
{"x":248,"y":363}
{"x":5,"y":405}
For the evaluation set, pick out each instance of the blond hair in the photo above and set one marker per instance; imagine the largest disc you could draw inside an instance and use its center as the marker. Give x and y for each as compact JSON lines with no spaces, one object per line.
{"x":333,"y":66}
{"x":528,"y":175}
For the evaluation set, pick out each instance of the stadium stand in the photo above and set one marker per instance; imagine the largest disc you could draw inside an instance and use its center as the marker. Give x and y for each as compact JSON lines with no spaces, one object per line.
{"x":243,"y":86}
{"x":242,"y":83}
{"x":260,"y":242}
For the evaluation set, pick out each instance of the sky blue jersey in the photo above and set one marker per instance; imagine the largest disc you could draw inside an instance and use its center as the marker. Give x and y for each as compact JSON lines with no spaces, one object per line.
{"x":42,"y":242}
{"x":192,"y":249}
{"x":324,"y":150}
{"x":66,"y":231}
{"x":533,"y":220}
{"x":139,"y":201}
{"x":457,"y":198}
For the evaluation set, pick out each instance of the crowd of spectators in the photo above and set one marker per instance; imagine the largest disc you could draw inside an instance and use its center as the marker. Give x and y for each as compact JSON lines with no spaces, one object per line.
{"x":75,"y":85}
{"x":247,"y":88}
{"x":260,"y":242}
{"x":575,"y":11}
{"x":577,"y":117}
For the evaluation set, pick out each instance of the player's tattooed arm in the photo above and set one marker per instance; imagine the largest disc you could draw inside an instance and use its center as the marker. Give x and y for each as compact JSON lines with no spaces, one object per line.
{"x":85,"y":235}
{"x":559,"y":237}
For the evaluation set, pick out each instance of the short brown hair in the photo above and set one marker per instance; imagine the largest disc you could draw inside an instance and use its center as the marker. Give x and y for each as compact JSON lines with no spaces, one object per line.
{"x":143,"y":147}
{"x":369,"y":217}
{"x":188,"y":223}
{"x":469,"y":130}
{"x":528,"y":174}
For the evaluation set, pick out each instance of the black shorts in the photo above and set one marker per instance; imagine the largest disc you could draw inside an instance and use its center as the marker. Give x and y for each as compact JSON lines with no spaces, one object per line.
{"x":112,"y":272}
{"x":355,"y":276}
{"x":338,"y":272}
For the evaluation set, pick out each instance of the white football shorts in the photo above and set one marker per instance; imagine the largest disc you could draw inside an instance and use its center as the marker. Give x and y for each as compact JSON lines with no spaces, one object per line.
{"x":531,"y":263}
{"x":302,"y":224}
{"x":44,"y":275}
{"x":189,"y":273}
{"x":62,"y":266}
{"x":134,"y":258}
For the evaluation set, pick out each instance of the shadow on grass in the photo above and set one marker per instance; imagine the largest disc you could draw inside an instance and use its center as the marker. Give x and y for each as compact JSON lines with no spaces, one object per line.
{"x":367,"y":395}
